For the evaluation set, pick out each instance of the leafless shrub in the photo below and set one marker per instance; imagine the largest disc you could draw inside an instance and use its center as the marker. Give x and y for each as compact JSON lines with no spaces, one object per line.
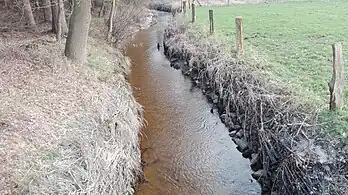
{"x":130,"y":14}
{"x":274,"y":124}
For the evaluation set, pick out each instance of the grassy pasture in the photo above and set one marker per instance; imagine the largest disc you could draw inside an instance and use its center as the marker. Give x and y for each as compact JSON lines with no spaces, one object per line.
{"x":294,"y":39}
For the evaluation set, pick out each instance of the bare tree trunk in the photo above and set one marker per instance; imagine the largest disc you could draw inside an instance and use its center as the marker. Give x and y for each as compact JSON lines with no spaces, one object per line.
{"x":59,"y":22}
{"x":29,"y":14}
{"x":62,"y":18}
{"x":47,"y":10}
{"x":38,"y":8}
{"x":6,"y":3}
{"x":54,"y":10}
{"x":101,"y":12}
{"x":111,"y":19}
{"x":76,"y":44}
{"x":56,"y":6}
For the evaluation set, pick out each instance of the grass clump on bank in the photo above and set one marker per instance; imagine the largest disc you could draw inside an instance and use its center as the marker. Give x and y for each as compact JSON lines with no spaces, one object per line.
{"x":66,"y":128}
{"x":281,"y":126}
{"x":294,"y":40}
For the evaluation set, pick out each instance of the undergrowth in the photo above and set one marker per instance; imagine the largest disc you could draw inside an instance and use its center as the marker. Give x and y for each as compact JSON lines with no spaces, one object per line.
{"x":66,"y":128}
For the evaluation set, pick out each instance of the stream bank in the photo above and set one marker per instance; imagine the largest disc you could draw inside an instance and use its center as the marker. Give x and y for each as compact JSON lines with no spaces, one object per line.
{"x":66,"y":128}
{"x":185,"y":148}
{"x":263,"y":121}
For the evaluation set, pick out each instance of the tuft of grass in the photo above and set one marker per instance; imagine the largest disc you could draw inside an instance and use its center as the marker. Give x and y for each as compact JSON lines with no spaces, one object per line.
{"x":66,"y":128}
{"x":294,"y":39}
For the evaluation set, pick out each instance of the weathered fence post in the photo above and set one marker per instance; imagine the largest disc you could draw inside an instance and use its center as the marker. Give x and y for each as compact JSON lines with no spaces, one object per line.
{"x":239,"y":35}
{"x":211,"y":20}
{"x":184,"y":6}
{"x":193,"y":13}
{"x":336,"y":85}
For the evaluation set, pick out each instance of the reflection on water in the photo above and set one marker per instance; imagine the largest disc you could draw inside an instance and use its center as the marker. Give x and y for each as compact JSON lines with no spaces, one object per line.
{"x":185,"y":148}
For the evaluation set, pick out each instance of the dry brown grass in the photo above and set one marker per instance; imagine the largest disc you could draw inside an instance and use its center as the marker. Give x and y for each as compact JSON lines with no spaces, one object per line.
{"x":130,"y":16}
{"x":66,"y":128}
{"x":281,"y":130}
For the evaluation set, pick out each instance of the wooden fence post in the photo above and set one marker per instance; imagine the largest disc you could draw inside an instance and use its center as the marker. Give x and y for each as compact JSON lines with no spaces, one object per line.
{"x":211,"y":20}
{"x":193,"y":13}
{"x":184,"y":6}
{"x":336,"y":85}
{"x":239,"y":35}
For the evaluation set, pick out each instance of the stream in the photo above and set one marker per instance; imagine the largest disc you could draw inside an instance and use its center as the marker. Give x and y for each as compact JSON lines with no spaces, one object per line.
{"x":185,"y":148}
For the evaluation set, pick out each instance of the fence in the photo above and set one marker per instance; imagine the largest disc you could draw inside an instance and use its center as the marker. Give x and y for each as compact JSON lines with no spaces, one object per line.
{"x":336,"y":85}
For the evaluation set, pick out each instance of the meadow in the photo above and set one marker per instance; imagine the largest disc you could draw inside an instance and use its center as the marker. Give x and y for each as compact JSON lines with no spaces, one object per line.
{"x":294,"y":39}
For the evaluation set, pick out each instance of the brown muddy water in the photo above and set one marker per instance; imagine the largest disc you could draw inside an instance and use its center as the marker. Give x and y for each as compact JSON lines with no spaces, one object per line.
{"x":185,"y":148}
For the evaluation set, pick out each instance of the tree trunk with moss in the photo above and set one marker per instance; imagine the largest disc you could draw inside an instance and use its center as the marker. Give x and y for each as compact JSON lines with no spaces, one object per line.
{"x":29,"y":14}
{"x":76,"y":44}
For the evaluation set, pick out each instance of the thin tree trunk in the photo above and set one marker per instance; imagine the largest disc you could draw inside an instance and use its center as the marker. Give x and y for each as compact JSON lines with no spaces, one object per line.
{"x":47,"y":10}
{"x":76,"y":44}
{"x":54,"y":10}
{"x":101,"y":12}
{"x":6,"y":3}
{"x":56,"y":6}
{"x":38,"y":8}
{"x":29,"y":14}
{"x":64,"y":25}
{"x":59,"y":22}
{"x":111,"y":19}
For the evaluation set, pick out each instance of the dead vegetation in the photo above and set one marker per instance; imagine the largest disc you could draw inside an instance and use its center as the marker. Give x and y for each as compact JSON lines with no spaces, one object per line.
{"x":65,"y":128}
{"x":129,"y":16}
{"x":295,"y":156}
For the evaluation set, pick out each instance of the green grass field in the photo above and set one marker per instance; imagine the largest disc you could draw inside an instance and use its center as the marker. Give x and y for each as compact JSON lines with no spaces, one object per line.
{"x":295,"y":38}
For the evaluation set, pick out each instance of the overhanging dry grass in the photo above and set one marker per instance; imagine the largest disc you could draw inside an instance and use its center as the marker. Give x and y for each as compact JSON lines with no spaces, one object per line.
{"x":278,"y":128}
{"x":66,"y":128}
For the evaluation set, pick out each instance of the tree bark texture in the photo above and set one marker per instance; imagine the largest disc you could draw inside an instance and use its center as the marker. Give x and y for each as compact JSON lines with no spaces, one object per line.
{"x":76,"y":44}
{"x":111,"y":19}
{"x":102,"y":9}
{"x":29,"y":14}
{"x":47,"y":10}
{"x":56,"y":6}
{"x":54,"y":10}
{"x":59,"y":22}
